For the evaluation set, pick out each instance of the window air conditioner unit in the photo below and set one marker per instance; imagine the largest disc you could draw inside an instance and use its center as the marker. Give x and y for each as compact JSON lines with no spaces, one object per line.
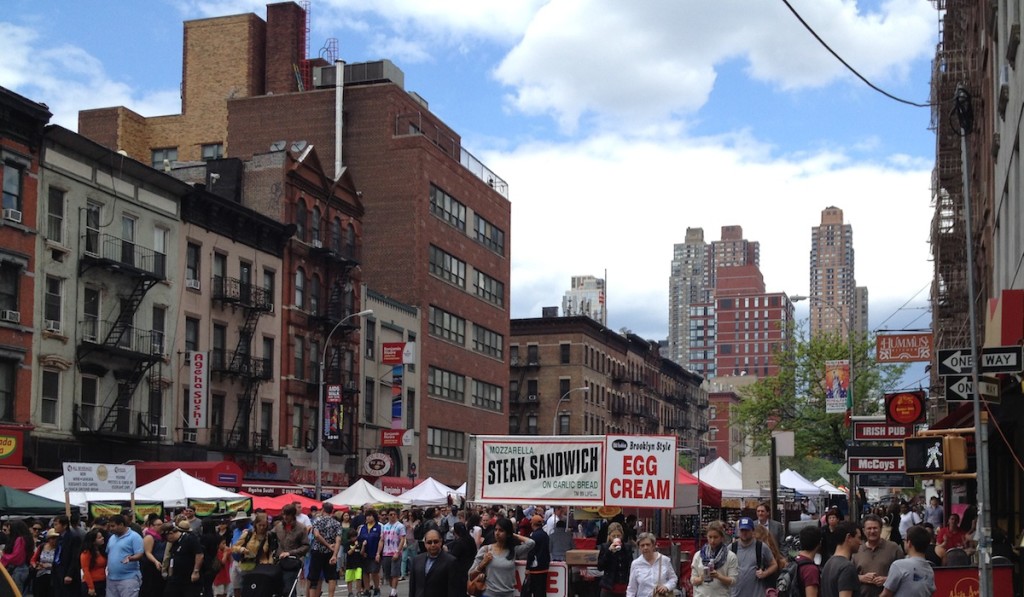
{"x":10,"y":316}
{"x":12,"y":215}
{"x":531,"y":398}
{"x":192,"y":284}
{"x":52,"y":326}
{"x":317,"y":243}
{"x":188,"y":437}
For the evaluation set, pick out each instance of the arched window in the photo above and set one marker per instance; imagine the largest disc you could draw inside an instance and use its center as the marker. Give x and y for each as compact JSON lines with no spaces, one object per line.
{"x":314,"y":226}
{"x":301,"y":216}
{"x":300,"y":288}
{"x":336,"y":235}
{"x":350,"y":241}
{"x":314,"y":295}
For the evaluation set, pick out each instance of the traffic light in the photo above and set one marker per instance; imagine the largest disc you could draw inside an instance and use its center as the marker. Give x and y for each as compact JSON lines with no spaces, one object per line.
{"x":935,"y":454}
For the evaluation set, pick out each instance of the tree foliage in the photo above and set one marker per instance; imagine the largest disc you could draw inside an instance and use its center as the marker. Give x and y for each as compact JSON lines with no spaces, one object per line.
{"x":794,"y":400}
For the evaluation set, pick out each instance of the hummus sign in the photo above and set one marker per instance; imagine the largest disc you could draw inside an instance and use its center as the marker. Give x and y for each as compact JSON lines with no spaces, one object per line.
{"x":614,"y":470}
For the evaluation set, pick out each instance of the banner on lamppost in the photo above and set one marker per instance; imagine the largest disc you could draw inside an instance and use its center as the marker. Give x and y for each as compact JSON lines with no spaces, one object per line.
{"x":397,"y":381}
{"x":333,"y":394}
{"x":837,"y":386}
{"x":332,"y":422}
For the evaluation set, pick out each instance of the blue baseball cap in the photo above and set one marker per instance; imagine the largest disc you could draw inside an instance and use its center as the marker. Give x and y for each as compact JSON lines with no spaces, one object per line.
{"x":746,"y":524}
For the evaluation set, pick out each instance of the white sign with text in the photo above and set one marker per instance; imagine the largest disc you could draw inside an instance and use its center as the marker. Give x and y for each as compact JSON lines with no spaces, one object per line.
{"x":89,"y":477}
{"x":641,"y":471}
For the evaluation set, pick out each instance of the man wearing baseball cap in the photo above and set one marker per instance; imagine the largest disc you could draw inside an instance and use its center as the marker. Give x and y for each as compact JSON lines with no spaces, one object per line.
{"x":538,"y":560}
{"x":755,"y":562}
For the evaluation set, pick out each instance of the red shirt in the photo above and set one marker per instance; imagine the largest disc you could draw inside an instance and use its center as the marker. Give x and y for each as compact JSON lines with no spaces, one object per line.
{"x":949,"y":539}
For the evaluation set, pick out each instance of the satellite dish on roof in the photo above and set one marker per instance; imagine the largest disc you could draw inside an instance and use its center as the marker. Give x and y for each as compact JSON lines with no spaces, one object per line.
{"x":278,"y":145}
{"x":299,"y":146}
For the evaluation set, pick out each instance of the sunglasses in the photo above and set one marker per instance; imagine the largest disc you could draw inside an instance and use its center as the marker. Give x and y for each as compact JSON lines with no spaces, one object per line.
{"x":37,"y":529}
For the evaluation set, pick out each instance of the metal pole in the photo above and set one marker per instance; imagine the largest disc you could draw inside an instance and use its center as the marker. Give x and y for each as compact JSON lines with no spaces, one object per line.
{"x":963,"y":109}
{"x":773,"y":471}
{"x":850,"y":411}
{"x":318,"y":488}
{"x":564,"y":398}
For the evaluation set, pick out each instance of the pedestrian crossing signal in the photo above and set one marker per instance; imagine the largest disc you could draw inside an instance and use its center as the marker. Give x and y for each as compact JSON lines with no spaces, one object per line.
{"x":935,"y":454}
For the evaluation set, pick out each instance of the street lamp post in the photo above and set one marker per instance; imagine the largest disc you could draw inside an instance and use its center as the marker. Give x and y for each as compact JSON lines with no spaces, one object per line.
{"x":320,"y":412}
{"x":564,"y":398}
{"x":848,"y":324}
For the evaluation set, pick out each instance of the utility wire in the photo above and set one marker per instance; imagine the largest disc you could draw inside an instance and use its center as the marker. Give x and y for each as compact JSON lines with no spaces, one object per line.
{"x":847,"y":65}
{"x":904,"y":305}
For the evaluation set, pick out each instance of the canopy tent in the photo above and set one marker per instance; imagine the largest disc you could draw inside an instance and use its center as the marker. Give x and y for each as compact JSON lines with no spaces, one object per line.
{"x":689,"y":489}
{"x":361,"y":492}
{"x":176,"y":488}
{"x":721,"y":474}
{"x":305,"y":502}
{"x":16,"y":502}
{"x":828,"y":487}
{"x":54,"y":490}
{"x":461,"y":491}
{"x":429,"y":492}
{"x":20,"y":478}
{"x":798,"y":483}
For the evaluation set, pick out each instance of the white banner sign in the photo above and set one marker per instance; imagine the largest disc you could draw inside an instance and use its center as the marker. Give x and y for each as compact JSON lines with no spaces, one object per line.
{"x":540,"y":470}
{"x":199,"y":389}
{"x":88,"y":477}
{"x":596,"y":470}
{"x":641,"y":471}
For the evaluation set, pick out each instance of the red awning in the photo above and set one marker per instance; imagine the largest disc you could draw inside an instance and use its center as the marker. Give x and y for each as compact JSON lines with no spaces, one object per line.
{"x":19,"y":477}
{"x":708,"y":495}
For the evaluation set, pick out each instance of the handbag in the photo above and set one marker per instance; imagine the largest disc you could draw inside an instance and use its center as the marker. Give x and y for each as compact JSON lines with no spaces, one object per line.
{"x":477,"y":584}
{"x":290,"y":564}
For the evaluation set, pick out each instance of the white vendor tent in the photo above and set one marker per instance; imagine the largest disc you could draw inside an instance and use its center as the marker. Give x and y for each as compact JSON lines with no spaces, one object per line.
{"x":429,"y":492}
{"x":361,"y":492}
{"x":54,"y":490}
{"x":828,"y":487}
{"x":721,"y":475}
{"x":461,"y":491}
{"x":798,"y":483}
{"x":176,"y":488}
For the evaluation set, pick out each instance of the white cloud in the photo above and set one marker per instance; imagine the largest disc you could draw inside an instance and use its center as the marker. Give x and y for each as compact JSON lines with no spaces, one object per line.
{"x":68,"y":78}
{"x":608,"y":203}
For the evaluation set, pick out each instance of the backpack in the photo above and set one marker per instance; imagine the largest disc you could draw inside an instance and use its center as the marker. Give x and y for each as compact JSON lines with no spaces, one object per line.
{"x":735,"y":546}
{"x":419,"y":532}
{"x":790,"y":583}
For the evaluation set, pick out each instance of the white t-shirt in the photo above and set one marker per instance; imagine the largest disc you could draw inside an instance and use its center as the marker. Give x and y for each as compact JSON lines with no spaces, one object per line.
{"x":908,"y":520}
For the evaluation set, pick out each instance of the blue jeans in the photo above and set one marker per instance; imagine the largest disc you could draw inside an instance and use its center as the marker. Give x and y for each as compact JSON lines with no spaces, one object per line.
{"x":20,"y":576}
{"x":407,"y":555}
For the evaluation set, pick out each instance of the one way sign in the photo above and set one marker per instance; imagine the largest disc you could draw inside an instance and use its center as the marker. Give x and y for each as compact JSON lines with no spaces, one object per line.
{"x":960,"y":388}
{"x":994,"y":359}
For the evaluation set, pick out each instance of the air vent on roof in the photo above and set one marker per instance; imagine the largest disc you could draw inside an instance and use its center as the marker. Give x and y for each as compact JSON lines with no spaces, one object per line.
{"x":380,"y":71}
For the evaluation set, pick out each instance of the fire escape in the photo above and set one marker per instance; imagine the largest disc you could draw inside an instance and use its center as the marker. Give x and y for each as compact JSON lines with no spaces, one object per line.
{"x":118,"y":345}
{"x":240,"y":365}
{"x":524,"y":402}
{"x":337,"y":258}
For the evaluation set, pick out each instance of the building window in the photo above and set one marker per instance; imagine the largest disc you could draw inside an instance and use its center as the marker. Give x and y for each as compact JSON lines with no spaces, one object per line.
{"x":489,"y":289}
{"x":50,"y":397}
{"x":447,"y":208}
{"x":300,"y":288}
{"x":218,"y":350}
{"x":712,"y":412}
{"x":301,"y":220}
{"x":87,"y":409}
{"x":445,"y":443}
{"x":487,"y":342}
{"x":713,"y":434}
{"x":191,"y":334}
{"x":447,"y":266}
{"x":8,"y":372}
{"x":9,"y":279}
{"x":13,"y":174}
{"x":55,"y":215}
{"x":371,"y":339}
{"x":52,"y":308}
{"x":336,"y":235}
{"x":297,"y":431}
{"x":212,"y":151}
{"x":410,"y":411}
{"x":159,"y":330}
{"x":170,"y":154}
{"x":447,"y":385}
{"x":563,"y":423}
{"x":314,"y":226}
{"x":489,"y":235}
{"x":192,"y":257}
{"x":564,"y":351}
{"x":314,"y":294}
{"x":268,"y":285}
{"x":300,"y":358}
{"x":486,"y":395}
{"x":445,"y":325}
{"x":370,"y":388}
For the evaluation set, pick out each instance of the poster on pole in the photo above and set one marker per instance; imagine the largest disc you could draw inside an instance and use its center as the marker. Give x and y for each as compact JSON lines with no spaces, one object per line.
{"x":552,"y":470}
{"x":837,"y":384}
{"x":641,"y":471}
{"x":89,"y":477}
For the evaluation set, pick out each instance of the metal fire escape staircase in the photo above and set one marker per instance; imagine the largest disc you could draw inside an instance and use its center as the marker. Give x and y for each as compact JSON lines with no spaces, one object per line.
{"x":255,"y":302}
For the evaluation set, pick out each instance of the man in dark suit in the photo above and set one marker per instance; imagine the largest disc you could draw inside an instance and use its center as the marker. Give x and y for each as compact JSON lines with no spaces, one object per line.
{"x":433,"y":573}
{"x":66,"y":574}
{"x":774,"y":527}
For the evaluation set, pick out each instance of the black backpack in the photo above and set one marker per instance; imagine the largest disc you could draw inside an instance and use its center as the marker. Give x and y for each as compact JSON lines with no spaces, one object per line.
{"x":735,"y":546}
{"x":790,"y":584}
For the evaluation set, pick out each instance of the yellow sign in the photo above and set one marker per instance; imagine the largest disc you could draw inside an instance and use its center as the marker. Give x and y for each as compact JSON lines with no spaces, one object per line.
{"x":8,"y":445}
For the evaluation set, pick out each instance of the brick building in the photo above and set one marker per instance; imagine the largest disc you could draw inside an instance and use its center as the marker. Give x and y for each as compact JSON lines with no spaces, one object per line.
{"x":571,"y":375}
{"x":436,"y":226}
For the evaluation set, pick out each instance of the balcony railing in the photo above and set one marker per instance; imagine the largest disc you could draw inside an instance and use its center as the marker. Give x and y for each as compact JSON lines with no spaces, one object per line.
{"x":240,"y":363}
{"x":117,"y":253}
{"x":245,"y":294}
{"x":132,"y":339}
{"x":117,"y":421}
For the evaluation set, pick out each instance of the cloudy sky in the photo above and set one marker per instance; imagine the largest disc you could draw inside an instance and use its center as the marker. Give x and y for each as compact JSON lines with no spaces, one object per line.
{"x":616,"y":124}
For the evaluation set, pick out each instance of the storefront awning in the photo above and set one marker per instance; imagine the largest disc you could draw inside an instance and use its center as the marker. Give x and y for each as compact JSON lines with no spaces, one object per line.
{"x":21,"y":478}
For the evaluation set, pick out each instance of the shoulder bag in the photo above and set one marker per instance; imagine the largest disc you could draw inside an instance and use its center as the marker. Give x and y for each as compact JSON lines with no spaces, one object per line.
{"x":478,"y":581}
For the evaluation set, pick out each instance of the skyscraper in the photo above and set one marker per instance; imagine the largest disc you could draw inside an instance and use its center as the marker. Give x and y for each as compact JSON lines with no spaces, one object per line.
{"x":836,"y":303}
{"x":586,"y":296}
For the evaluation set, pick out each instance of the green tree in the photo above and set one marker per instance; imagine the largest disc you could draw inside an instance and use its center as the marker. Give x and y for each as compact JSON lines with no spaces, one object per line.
{"x":794,"y":400}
